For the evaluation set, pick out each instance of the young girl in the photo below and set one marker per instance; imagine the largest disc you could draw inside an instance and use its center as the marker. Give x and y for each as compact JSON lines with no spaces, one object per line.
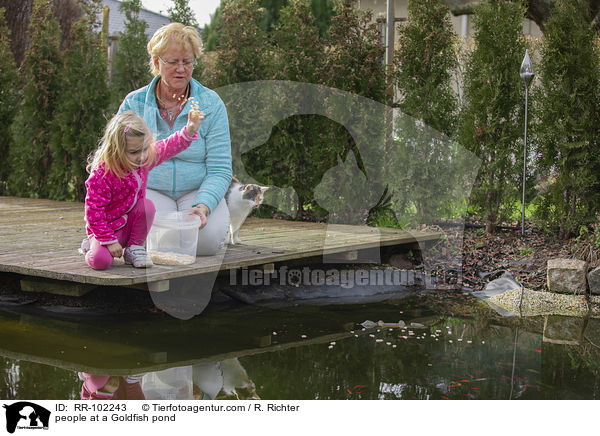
{"x":117,"y":213}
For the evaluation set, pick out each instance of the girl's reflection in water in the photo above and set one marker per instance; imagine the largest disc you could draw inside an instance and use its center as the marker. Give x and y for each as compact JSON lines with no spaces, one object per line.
{"x":226,"y":379}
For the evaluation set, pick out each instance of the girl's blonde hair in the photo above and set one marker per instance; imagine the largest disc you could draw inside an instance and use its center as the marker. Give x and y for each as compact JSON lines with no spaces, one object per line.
{"x":184,"y":36}
{"x":111,"y":151}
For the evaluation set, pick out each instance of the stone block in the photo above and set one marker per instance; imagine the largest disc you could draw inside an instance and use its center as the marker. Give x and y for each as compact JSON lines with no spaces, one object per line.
{"x":564,"y":330}
{"x":567,"y":276}
{"x":594,"y":281}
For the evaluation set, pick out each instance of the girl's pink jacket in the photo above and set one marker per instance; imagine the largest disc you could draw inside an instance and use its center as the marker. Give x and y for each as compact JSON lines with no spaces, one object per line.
{"x":109,"y":198}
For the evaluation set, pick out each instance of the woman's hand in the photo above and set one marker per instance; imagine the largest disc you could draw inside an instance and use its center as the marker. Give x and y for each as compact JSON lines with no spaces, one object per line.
{"x":195,"y":118}
{"x":202,"y":211}
{"x":115,"y":250}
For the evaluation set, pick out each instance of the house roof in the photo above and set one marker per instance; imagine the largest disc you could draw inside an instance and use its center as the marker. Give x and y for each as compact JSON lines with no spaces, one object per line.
{"x":116,"y":20}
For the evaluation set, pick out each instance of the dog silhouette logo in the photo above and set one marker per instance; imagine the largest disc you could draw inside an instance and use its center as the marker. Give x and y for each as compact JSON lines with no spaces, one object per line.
{"x":26,"y":415}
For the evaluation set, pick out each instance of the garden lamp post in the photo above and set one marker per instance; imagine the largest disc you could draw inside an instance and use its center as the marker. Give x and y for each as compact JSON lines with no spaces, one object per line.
{"x":527,"y":74}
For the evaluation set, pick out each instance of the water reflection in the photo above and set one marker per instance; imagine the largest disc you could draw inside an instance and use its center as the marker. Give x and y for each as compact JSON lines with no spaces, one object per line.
{"x":224,"y":380}
{"x":309,"y":353}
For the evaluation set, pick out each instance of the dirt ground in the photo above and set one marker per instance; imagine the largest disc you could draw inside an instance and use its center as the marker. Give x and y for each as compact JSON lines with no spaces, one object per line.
{"x":525,"y":256}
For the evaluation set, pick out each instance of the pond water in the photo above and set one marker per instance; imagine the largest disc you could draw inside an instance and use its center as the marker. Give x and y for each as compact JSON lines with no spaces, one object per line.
{"x":305,"y":352}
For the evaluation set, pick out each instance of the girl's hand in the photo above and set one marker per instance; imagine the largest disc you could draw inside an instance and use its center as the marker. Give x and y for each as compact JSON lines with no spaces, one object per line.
{"x":115,"y":250}
{"x":202,"y":211}
{"x":195,"y":118}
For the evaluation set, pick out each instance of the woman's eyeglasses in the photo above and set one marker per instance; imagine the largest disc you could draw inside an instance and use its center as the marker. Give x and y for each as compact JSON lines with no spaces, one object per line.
{"x":173,"y":64}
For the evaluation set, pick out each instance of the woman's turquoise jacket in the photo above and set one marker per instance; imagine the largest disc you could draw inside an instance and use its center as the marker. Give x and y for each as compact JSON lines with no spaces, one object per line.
{"x":206,"y":164}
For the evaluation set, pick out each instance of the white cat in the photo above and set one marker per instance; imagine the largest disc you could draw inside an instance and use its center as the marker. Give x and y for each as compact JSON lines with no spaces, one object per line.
{"x":241,"y":199}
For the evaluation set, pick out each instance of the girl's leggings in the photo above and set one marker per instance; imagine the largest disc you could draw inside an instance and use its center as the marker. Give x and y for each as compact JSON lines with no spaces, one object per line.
{"x":139,"y":221}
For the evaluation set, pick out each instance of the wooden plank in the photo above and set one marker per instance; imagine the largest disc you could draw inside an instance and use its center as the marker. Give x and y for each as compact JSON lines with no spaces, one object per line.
{"x":58,"y":287}
{"x":47,"y":246}
{"x":158,"y":286}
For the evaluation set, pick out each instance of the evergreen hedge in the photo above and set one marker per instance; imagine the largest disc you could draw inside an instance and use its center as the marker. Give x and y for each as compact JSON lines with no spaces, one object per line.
{"x":81,"y":111}
{"x":131,"y":59}
{"x":50,"y":124}
{"x":30,"y":157}
{"x":9,"y":97}
{"x":569,"y":119}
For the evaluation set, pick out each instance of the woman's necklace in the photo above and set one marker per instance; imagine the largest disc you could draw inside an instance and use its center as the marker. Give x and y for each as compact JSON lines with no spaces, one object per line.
{"x":170,"y":111}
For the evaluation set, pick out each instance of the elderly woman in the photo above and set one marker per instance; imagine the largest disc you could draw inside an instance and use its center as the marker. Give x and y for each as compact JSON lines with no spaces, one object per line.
{"x":197,"y":179}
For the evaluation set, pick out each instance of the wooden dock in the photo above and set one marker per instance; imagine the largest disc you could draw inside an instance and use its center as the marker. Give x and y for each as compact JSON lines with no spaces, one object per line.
{"x":40,"y":238}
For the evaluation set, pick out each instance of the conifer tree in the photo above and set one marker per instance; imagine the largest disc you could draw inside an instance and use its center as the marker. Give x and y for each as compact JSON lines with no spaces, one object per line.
{"x":354,"y":63}
{"x":30,"y":155}
{"x":131,"y":69}
{"x":182,"y":13}
{"x":298,"y":159}
{"x":80,"y":116}
{"x":424,"y":62}
{"x":322,"y":11}
{"x":492,"y":120}
{"x":569,"y":117}
{"x":272,"y":8}
{"x":243,"y":53}
{"x":351,"y":60}
{"x":9,"y":96}
{"x":423,"y":172}
{"x":300,"y":49}
{"x":211,"y":37}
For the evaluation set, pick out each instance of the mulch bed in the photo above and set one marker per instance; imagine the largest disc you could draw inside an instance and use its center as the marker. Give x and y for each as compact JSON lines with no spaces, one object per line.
{"x":524,"y":256}
{"x":483,"y":256}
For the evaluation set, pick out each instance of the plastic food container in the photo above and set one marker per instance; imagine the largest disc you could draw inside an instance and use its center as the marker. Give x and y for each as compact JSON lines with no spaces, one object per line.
{"x":169,"y":384}
{"x":173,"y":238}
